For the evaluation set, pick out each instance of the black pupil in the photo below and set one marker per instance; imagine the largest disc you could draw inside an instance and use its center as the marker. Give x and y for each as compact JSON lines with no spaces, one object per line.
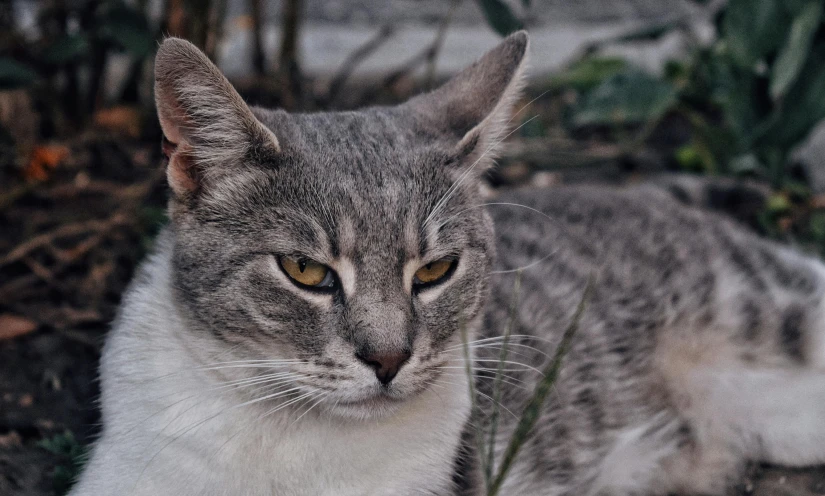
{"x":302,"y":265}
{"x":429,"y":266}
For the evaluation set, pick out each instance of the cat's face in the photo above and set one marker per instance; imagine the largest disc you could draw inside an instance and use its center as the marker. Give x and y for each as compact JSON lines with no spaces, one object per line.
{"x":344,"y":255}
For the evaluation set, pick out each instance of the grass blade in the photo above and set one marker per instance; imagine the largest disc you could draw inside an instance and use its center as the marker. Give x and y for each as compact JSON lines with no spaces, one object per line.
{"x":533,"y":408}
{"x":468,"y":364}
{"x":488,"y":473}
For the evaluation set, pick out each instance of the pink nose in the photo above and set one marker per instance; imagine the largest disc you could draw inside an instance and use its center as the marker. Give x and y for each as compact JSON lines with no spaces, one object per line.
{"x":386,"y":365}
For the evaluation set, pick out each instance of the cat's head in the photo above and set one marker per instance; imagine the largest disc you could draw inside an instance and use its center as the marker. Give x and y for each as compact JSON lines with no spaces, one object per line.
{"x":347,"y":248}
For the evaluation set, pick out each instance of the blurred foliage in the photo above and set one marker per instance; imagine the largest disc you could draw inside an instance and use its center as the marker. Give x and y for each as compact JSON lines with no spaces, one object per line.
{"x":500,"y":17}
{"x":62,"y":60}
{"x":110,"y":25}
{"x":587,"y":73}
{"x":750,"y":97}
{"x":627,"y":96}
{"x":74,"y":457}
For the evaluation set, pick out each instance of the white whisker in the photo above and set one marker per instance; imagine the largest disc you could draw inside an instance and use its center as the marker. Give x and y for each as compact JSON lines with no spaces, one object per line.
{"x":449,"y":383}
{"x":534,"y":369}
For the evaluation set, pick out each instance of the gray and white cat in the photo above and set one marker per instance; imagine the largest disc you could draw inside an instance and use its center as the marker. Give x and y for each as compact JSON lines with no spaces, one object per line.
{"x":298,"y":330}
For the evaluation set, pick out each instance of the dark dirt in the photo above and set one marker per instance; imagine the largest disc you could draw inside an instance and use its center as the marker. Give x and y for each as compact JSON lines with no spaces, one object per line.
{"x":110,"y":193}
{"x":69,"y":287}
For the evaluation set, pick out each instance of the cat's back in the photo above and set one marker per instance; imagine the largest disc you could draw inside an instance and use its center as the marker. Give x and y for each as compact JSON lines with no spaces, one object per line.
{"x":668,"y":281}
{"x":602,"y":226}
{"x":656,"y":263}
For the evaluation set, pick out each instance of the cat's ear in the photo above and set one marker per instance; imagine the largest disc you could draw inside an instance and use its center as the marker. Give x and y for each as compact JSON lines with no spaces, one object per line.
{"x":475,"y":107}
{"x":207,"y":127}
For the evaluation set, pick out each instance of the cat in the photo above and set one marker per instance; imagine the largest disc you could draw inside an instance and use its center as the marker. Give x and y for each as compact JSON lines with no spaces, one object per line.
{"x":300,"y":328}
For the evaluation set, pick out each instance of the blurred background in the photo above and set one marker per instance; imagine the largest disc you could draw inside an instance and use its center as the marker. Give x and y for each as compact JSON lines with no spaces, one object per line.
{"x":730,"y":94}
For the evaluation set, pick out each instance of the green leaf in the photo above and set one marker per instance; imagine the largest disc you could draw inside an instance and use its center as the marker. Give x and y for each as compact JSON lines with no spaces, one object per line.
{"x":734,"y":90}
{"x":817,"y":228}
{"x":499,"y":16}
{"x":753,"y":29}
{"x":693,"y":158}
{"x":802,"y":108}
{"x":66,"y":50}
{"x":778,"y":203}
{"x":75,"y":454}
{"x":745,"y":164}
{"x":629,"y":97}
{"x":588,"y":73}
{"x":127,"y":28}
{"x":796,"y":49}
{"x":650,"y":32}
{"x":14,"y":75}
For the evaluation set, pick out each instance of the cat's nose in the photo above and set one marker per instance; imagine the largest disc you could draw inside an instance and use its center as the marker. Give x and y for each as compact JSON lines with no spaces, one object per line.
{"x":386,"y":365}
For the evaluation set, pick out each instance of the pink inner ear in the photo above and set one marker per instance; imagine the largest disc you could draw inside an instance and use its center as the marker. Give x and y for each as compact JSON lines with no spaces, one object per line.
{"x":181,"y":171}
{"x":171,"y":115}
{"x":168,"y":148}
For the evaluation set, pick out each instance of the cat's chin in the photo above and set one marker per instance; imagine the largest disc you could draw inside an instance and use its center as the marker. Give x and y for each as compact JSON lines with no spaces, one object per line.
{"x":374,"y":407}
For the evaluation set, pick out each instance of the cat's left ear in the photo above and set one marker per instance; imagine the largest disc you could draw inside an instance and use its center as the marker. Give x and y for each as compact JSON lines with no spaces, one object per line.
{"x":208,"y":129}
{"x":474,"y":108}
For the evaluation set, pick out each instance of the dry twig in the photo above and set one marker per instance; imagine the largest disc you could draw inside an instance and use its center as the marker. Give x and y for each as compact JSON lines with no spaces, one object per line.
{"x":355,"y":58}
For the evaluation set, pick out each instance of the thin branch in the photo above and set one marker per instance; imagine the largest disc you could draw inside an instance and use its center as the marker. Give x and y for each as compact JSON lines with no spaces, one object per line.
{"x":45,"y":239}
{"x":289,"y":68}
{"x":432,"y":56}
{"x":258,"y":57}
{"x":214,"y":28}
{"x":122,"y":216}
{"x":428,"y":55}
{"x":356,"y":58}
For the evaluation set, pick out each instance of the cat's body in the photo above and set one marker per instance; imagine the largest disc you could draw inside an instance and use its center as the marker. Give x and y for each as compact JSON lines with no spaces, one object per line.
{"x":701,"y":346}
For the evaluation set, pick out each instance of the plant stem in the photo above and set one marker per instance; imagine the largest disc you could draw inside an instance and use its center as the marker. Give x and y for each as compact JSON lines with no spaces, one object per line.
{"x":488,"y":474}
{"x":533,"y":408}
{"x":468,"y":364}
{"x":258,"y":57}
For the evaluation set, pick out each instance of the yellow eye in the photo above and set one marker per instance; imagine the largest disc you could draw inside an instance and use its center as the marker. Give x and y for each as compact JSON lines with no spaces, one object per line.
{"x":308,"y":273}
{"x":433,"y":272}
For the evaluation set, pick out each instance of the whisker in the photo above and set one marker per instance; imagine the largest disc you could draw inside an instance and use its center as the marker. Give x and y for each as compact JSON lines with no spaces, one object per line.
{"x":253,"y":380}
{"x":268,"y":384}
{"x":253,"y":423}
{"x":449,"y":383}
{"x":221,"y":365}
{"x":179,"y":434}
{"x":497,"y":338}
{"x":495,"y":346}
{"x":320,"y":399}
{"x":501,"y":361}
{"x":515,"y":382}
{"x":482,"y":369}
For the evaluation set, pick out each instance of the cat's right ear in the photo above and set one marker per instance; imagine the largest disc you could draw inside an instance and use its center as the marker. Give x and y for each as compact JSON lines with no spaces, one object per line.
{"x":208,"y":129}
{"x":474,"y":109}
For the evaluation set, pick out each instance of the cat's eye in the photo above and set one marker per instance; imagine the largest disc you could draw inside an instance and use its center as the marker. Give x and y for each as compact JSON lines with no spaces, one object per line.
{"x":434,"y":273}
{"x":307,"y":273}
